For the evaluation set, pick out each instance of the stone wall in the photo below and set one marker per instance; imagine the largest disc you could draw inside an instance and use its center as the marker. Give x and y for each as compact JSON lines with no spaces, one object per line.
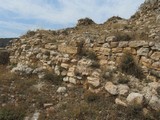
{"x":75,"y":68}
{"x":62,"y":58}
{"x":146,"y":53}
{"x":89,"y":54}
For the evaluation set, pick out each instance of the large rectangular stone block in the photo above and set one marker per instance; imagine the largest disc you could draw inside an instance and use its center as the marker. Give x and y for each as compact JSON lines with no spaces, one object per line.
{"x":68,"y":49}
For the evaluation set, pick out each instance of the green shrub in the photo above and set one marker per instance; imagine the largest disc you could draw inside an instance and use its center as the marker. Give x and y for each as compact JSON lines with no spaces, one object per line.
{"x":4,"y":57}
{"x":12,"y":113}
{"x":53,"y":78}
{"x":129,"y":66}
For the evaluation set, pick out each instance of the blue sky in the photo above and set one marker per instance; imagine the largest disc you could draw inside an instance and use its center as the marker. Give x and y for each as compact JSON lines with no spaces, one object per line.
{"x":19,"y":16}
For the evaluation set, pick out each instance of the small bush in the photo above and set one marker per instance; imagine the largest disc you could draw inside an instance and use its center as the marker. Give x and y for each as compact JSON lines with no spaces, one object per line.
{"x":123,"y":37}
{"x":91,"y":55}
{"x":158,"y":90}
{"x":134,"y":111}
{"x":107,"y":74}
{"x":4,"y":57}
{"x":88,"y":54}
{"x":47,"y":53}
{"x":85,"y":22}
{"x":12,"y":113}
{"x":53,"y":78}
{"x":82,"y":51}
{"x":123,"y":79}
{"x":80,"y":46}
{"x":129,"y":66}
{"x":30,"y":33}
{"x":114,"y":19}
{"x":95,"y":64}
{"x":155,"y":73}
{"x":91,"y":97}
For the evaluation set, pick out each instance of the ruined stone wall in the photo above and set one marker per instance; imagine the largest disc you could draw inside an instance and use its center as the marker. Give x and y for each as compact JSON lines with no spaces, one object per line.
{"x":89,"y":55}
{"x":62,"y":58}
{"x":146,"y":53}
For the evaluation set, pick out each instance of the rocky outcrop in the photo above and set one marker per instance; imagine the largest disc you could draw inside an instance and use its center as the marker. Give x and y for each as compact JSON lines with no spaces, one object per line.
{"x":85,"y":22}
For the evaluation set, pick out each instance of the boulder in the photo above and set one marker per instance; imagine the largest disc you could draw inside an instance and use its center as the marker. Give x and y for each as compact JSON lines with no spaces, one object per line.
{"x":154,"y":85}
{"x":38,"y":70}
{"x":35,"y":116}
{"x":143,"y":51}
{"x":111,"y":39}
{"x":155,"y":56}
{"x":146,"y":61}
{"x":104,"y":51}
{"x":72,"y":80}
{"x":113,"y":44}
{"x":156,"y":65}
{"x":47,"y":105}
{"x":135,"y":99}
{"x":120,"y":102}
{"x":158,"y":19}
{"x":147,"y":92}
{"x":156,"y":47}
{"x":71,"y":71}
{"x":22,"y":69}
{"x":67,"y":49}
{"x":136,"y":44}
{"x":123,"y":44}
{"x":123,"y":89}
{"x":94,"y":81}
{"x":50,"y":46}
{"x":154,"y":103}
{"x":64,"y":65}
{"x":61,"y":89}
{"x":111,"y":88}
{"x":66,"y":79}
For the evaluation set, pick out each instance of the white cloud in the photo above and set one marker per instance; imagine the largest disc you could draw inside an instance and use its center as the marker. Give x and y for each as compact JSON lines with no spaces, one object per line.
{"x":16,"y":25}
{"x":70,"y":9}
{"x":64,"y":12}
{"x":8,"y":33}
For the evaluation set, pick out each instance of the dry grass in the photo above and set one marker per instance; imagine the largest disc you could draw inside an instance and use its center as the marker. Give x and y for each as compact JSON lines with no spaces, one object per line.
{"x":53,"y":78}
{"x":129,"y":66}
{"x":78,"y":105}
{"x":11,"y":112}
{"x":123,"y":79}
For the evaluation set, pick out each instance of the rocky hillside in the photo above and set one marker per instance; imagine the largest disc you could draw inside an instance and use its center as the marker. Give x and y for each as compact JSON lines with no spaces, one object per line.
{"x":120,"y":57}
{"x":148,"y":19}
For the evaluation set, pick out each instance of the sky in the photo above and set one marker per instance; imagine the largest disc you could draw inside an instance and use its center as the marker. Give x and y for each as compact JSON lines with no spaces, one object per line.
{"x":19,"y":16}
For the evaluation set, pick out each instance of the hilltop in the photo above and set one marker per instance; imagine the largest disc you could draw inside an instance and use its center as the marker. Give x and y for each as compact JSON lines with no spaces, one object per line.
{"x":91,"y":71}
